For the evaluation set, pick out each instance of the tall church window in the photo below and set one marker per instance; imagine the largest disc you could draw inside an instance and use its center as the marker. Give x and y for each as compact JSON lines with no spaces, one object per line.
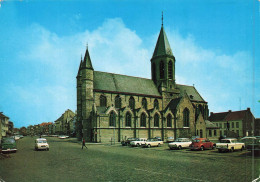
{"x":128,"y":119}
{"x":143,"y":120}
{"x":156,"y":120}
{"x":161,"y":70}
{"x":132,"y":103}
{"x":118,"y":102}
{"x":170,"y":69}
{"x":112,"y":119}
{"x":156,"y":104}
{"x":144,"y":103}
{"x":153,"y":71}
{"x":103,"y":101}
{"x":186,"y":117}
{"x":169,"y":120}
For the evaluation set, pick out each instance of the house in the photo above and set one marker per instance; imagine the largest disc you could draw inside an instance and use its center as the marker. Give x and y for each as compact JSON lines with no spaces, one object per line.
{"x":4,"y":123}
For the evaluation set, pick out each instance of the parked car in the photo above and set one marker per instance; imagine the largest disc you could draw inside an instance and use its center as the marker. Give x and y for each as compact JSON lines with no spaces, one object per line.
{"x":230,"y":144}
{"x":248,"y":140}
{"x":255,"y":146}
{"x":159,"y":138}
{"x":63,"y":136}
{"x":201,"y":144}
{"x":41,"y":144}
{"x":127,"y":142}
{"x":138,"y":142}
{"x":8,"y":145}
{"x":180,"y":143}
{"x":170,"y":139}
{"x":152,"y":142}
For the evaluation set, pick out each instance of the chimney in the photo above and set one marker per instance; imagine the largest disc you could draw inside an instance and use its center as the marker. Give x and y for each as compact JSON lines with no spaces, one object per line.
{"x":229,"y":110}
{"x":248,"y":109}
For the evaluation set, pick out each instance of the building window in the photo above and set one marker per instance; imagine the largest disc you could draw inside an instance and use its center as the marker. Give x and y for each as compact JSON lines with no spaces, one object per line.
{"x":118,"y":102}
{"x":233,"y":124}
{"x":103,"y":101}
{"x":132,"y":103}
{"x":170,"y":69}
{"x":210,"y":133}
{"x":221,"y":133}
{"x":169,"y":120}
{"x":186,"y":117}
{"x":220,"y":125}
{"x":215,"y":132}
{"x":225,"y":125}
{"x":156,"y":104}
{"x":161,"y":70}
{"x":128,"y":119}
{"x":112,"y":119}
{"x":143,"y":120}
{"x":156,"y":120}
{"x":144,"y":103}
{"x":201,"y":133}
{"x":153,"y":71}
{"x":237,"y":124}
{"x":238,"y":132}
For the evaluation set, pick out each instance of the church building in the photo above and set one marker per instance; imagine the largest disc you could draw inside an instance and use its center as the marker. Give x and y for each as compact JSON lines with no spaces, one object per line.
{"x":112,"y":107}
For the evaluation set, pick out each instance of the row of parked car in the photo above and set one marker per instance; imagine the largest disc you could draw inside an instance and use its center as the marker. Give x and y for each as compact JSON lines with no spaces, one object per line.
{"x":225,"y":145}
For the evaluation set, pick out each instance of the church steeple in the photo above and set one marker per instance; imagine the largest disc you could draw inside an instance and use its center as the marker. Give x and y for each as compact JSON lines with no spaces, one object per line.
{"x":87,"y":61}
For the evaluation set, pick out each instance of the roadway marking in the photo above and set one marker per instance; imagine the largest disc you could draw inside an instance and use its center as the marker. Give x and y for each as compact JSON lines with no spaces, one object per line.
{"x":193,"y":179}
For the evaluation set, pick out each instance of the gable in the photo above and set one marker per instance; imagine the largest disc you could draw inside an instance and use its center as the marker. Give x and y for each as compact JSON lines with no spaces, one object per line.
{"x":191,"y":91}
{"x":115,"y":83}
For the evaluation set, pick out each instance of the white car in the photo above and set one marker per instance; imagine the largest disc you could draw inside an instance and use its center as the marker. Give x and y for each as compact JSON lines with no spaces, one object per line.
{"x":152,"y":143}
{"x":138,"y":142}
{"x":229,"y":145}
{"x":41,"y":144}
{"x":180,"y":143}
{"x":63,"y":136}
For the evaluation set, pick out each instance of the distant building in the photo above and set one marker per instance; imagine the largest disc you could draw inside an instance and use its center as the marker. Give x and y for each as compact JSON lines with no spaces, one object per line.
{"x":235,"y":123}
{"x":4,"y":123}
{"x":257,"y":127}
{"x":213,"y":131}
{"x":61,"y":124}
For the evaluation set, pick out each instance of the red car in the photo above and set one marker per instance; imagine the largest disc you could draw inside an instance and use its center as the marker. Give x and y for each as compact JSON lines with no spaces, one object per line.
{"x":201,"y":144}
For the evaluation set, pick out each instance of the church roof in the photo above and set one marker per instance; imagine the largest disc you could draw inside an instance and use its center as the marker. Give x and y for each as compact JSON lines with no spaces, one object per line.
{"x":173,"y":103}
{"x":87,"y":61}
{"x":116,"y":83}
{"x":191,"y":92}
{"x":162,"y":47}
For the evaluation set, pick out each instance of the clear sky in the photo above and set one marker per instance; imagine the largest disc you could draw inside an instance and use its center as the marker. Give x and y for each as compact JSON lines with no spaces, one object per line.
{"x":215,"y":43}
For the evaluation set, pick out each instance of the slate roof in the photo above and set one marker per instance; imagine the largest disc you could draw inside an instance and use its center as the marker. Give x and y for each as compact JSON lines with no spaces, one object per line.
{"x":124,"y":84}
{"x":3,"y":116}
{"x":228,"y":116}
{"x":173,"y":104}
{"x":190,"y":90}
{"x":86,"y":61}
{"x":210,"y":124}
{"x":162,"y":47}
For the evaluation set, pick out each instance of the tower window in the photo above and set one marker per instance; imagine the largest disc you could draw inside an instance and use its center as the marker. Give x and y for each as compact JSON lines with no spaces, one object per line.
{"x":132,"y":103}
{"x":170,"y":69}
{"x":112,"y":119}
{"x":156,"y":120}
{"x":128,"y":119}
{"x":161,"y":70}
{"x":156,"y":104}
{"x":153,"y":71}
{"x":143,"y":120}
{"x":144,"y":103}
{"x":103,"y":101}
{"x":169,"y":120}
{"x":186,"y":117}
{"x":118,"y":102}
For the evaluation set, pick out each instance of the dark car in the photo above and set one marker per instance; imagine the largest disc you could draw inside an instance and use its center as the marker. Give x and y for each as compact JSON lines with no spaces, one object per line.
{"x":201,"y":144}
{"x":127,"y":142}
{"x":254,"y":147}
{"x":8,"y":145}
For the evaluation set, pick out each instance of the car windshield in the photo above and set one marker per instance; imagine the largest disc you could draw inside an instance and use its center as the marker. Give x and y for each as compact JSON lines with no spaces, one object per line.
{"x":180,"y":140}
{"x":196,"y":141}
{"x":224,"y":141}
{"x":42,"y":141}
{"x":8,"y":140}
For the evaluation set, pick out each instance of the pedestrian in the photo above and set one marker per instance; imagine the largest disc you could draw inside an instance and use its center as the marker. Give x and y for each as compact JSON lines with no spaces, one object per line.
{"x":83,"y":144}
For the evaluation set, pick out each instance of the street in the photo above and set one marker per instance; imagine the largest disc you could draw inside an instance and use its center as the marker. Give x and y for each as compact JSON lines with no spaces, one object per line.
{"x":66,"y":161}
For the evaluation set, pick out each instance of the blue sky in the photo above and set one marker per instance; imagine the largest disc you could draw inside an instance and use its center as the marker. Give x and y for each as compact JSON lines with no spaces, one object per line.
{"x":215,"y":43}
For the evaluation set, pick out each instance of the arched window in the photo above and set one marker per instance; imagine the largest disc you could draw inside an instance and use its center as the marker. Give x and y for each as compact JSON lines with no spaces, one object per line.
{"x":144,"y":103}
{"x":156,"y":120}
{"x":169,"y":120}
{"x":153,"y":71}
{"x":170,"y":69}
{"x":143,"y":120}
{"x":156,"y":104}
{"x":103,"y":101}
{"x":186,"y":117}
{"x":161,"y":70}
{"x":128,"y":119}
{"x":112,"y":119}
{"x":132,"y":103}
{"x":118,"y":102}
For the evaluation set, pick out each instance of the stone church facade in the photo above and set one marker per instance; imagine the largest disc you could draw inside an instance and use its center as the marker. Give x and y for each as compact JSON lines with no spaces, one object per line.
{"x":112,"y":107}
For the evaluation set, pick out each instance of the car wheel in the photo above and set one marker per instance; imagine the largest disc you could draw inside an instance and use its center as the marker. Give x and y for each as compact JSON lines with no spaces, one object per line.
{"x":179,"y":147}
{"x":219,"y":150}
{"x":201,"y":148}
{"x":159,"y":144}
{"x":148,"y":146}
{"x":232,"y":150}
{"x":137,"y":144}
{"x":242,"y":148}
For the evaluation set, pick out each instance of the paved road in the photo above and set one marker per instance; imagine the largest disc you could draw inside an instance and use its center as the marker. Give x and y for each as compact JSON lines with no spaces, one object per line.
{"x":66,"y":161}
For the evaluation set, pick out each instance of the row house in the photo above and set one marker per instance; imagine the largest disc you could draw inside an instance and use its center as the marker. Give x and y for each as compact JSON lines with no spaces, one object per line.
{"x":234,"y":123}
{"x":62,"y":124}
{"x":4,"y":123}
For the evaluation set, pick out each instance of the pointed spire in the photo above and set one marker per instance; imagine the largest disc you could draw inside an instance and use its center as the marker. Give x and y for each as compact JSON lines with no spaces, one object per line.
{"x":80,"y":66}
{"x":87,"y":61}
{"x":162,"y":46}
